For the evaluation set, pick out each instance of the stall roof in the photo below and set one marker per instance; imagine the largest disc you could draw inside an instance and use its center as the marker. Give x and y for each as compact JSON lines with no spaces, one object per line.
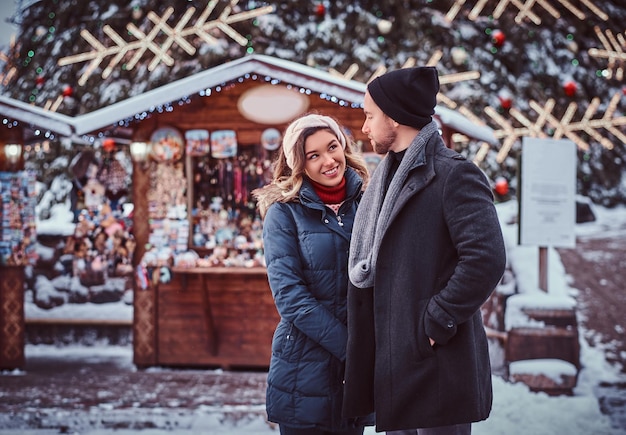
{"x":261,"y":65}
{"x":36,"y":116}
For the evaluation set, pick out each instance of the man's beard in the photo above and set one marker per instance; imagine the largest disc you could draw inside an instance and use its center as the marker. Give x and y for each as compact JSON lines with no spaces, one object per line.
{"x":386,"y":142}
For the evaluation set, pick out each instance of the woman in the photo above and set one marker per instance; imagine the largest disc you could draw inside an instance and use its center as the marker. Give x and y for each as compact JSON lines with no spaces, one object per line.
{"x":308,"y":212}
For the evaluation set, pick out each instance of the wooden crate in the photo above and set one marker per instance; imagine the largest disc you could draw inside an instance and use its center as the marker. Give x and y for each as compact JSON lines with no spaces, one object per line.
{"x":541,"y":343}
{"x":215,"y":317}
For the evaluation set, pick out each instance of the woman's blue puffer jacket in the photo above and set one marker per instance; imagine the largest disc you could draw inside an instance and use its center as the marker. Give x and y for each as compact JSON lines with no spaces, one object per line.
{"x":306,"y":250}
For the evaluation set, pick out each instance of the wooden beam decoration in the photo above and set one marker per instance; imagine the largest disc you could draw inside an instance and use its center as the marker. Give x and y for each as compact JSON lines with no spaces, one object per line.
{"x":525,"y":9}
{"x":444,"y":79}
{"x":53,"y":106}
{"x":9,"y":71}
{"x":150,"y":41}
{"x":563,"y":127}
{"x":614,"y":47}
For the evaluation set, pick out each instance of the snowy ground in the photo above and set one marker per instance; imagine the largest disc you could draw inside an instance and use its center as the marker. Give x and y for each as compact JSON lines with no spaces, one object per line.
{"x":516,"y":410}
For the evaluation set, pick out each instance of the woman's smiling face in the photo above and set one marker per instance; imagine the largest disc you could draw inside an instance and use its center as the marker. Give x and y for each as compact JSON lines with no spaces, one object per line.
{"x":325,"y":161}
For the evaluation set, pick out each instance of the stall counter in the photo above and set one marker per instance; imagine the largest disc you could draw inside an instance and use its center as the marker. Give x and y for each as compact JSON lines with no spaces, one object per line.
{"x":215,"y":316}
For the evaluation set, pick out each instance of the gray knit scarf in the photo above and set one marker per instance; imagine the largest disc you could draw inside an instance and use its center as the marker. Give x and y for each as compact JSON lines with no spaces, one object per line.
{"x":372,"y":217}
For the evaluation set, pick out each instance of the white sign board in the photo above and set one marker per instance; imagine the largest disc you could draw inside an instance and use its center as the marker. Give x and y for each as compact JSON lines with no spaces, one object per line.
{"x":548,"y":193}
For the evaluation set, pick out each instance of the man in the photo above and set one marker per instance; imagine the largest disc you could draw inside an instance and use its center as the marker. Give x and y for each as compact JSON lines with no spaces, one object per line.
{"x":426,"y":252}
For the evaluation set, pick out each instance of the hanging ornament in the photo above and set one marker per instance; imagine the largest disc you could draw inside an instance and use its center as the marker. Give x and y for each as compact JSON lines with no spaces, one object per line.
{"x":108,"y":145}
{"x":39,"y":81}
{"x":320,"y":10}
{"x":501,"y":186}
{"x":40,"y":31}
{"x":570,"y":87}
{"x":497,"y":38}
{"x":384,"y":26}
{"x":459,"y":55}
{"x":137,"y":13}
{"x":68,"y":91}
{"x":506,"y":101}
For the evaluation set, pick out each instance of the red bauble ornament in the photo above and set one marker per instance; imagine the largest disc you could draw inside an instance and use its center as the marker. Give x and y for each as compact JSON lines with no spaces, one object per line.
{"x":497,"y":37}
{"x":68,"y":91}
{"x":40,"y":81}
{"x":570,"y":88}
{"x":502,"y":186}
{"x":108,"y":145}
{"x":505,"y":101}
{"x":320,"y":10}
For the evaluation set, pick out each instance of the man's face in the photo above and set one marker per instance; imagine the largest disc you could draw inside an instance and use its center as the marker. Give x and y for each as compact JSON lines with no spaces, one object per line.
{"x":378,"y":127}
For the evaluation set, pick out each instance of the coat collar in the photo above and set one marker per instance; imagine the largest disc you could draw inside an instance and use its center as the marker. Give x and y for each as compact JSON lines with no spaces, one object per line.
{"x":417,"y":180}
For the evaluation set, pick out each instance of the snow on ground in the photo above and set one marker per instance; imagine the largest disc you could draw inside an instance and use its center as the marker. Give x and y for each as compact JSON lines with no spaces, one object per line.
{"x":516,"y":410}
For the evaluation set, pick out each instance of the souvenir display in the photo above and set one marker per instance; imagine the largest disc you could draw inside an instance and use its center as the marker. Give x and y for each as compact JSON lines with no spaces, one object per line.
{"x":166,"y":198}
{"x":270,"y":139}
{"x":223,"y":144}
{"x":93,"y":194}
{"x":17,"y":214}
{"x":114,"y":176}
{"x":171,"y":234}
{"x":224,"y":228}
{"x":197,"y":142}
{"x":167,"y":145}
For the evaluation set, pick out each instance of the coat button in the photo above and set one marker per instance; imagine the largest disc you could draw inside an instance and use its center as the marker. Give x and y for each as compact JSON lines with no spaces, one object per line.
{"x":450,"y":324}
{"x":325,"y":221}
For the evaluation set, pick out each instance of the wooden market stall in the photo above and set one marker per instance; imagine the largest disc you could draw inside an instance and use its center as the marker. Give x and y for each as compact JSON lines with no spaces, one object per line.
{"x":214,"y":307}
{"x":17,"y":217}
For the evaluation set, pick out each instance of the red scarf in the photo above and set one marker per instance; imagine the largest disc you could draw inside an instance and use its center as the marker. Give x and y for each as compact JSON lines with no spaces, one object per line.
{"x":331,"y":195}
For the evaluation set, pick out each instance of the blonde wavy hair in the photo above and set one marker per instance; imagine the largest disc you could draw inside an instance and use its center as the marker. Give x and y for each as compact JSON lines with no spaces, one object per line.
{"x":286,"y":182}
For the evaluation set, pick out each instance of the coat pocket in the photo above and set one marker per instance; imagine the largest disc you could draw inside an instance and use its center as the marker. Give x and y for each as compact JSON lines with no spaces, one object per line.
{"x":421,"y":343}
{"x":289,"y":343}
{"x":282,"y":343}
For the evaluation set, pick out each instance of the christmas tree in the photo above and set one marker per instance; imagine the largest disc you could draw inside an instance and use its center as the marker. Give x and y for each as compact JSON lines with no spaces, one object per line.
{"x":552,"y":68}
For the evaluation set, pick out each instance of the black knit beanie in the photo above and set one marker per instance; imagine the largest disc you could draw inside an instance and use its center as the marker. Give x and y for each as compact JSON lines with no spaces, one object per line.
{"x":408,"y":95}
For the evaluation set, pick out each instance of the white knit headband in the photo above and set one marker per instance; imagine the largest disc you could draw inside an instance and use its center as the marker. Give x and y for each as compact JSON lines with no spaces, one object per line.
{"x":296,"y":128}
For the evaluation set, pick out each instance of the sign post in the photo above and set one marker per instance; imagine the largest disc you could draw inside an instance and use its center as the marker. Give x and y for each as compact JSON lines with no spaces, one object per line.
{"x":547,"y":197}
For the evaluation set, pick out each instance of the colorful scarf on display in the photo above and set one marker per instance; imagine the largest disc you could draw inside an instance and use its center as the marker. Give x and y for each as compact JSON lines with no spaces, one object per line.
{"x":372,"y":217}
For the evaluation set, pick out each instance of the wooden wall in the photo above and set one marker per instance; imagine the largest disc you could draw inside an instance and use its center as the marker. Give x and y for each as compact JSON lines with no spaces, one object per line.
{"x":219,"y":111}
